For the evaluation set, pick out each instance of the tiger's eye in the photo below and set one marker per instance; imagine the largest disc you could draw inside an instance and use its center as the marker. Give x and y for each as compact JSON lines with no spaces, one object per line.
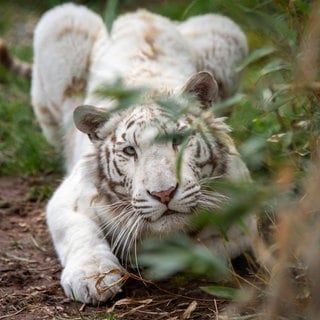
{"x":130,"y":151}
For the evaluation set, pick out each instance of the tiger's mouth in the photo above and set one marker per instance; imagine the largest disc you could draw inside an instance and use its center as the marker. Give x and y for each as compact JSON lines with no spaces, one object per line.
{"x":169,"y":212}
{"x":165,"y":214}
{"x":169,"y":221}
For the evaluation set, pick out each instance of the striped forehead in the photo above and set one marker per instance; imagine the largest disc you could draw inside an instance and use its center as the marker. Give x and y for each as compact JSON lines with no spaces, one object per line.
{"x":143,"y":124}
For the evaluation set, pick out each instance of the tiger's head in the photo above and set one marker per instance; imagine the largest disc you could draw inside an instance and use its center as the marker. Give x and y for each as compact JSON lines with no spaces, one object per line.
{"x":151,"y":167}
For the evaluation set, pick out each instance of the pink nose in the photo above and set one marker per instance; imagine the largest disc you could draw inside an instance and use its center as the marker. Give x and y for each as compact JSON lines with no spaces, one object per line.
{"x":164,"y":196}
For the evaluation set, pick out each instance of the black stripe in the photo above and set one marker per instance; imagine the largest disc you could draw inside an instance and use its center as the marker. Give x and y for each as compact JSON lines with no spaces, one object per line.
{"x":123,"y":157}
{"x":135,"y":139}
{"x":145,"y":207}
{"x":140,"y":200}
{"x":117,"y":168}
{"x":222,"y":165}
{"x":130,"y":124}
{"x":189,"y":195}
{"x":198,"y":152}
{"x":107,"y":161}
{"x":190,"y":187}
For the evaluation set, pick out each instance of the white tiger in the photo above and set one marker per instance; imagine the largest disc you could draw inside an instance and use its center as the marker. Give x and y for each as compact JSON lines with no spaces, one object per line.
{"x":121,"y":182}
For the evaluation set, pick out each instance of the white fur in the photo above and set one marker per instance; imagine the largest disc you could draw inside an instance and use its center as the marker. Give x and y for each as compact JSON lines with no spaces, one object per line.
{"x":72,"y":43}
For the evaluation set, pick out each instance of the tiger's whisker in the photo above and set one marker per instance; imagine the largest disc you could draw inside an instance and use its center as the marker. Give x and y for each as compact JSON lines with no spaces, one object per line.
{"x":127,"y":245}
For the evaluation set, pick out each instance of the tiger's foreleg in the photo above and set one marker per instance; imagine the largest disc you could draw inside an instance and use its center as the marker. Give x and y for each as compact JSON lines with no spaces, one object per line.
{"x":91,"y":272}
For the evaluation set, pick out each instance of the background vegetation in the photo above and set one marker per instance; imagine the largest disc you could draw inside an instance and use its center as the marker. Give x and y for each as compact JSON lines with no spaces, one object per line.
{"x":275,"y":118}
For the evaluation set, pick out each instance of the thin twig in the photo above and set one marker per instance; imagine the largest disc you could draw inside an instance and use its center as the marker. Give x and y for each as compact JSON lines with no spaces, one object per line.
{"x":12,"y":314}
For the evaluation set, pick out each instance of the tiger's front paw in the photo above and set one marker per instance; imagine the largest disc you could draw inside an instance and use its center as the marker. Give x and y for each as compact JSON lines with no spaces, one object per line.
{"x":91,"y":283}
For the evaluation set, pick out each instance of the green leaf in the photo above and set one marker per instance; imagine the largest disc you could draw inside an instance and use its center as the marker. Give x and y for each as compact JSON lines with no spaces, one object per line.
{"x":179,"y":161}
{"x":173,"y":105}
{"x":110,"y":14}
{"x":176,"y":253}
{"x":243,"y":200}
{"x":222,"y":292}
{"x":275,"y":66}
{"x":254,"y":56}
{"x":123,"y":95}
{"x":229,"y":102}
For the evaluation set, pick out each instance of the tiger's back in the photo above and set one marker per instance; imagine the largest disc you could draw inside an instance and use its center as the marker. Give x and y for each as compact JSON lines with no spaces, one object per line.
{"x":143,"y":49}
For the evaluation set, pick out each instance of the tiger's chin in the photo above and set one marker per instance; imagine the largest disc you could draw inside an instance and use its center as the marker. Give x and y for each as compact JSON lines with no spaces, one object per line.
{"x":169,"y":222}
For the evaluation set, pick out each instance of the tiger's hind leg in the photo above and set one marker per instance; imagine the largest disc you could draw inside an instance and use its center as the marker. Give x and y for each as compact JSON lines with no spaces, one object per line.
{"x":220,"y":45}
{"x":62,"y":47}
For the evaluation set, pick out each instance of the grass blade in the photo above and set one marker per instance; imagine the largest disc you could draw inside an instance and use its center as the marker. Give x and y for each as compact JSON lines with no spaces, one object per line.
{"x":222,"y":292}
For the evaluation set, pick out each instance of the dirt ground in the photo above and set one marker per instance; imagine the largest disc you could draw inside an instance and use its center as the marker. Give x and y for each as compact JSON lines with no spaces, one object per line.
{"x":30,"y":272}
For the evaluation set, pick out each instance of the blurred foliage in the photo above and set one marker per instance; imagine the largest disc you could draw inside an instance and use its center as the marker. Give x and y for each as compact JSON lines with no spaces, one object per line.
{"x":275,"y":119}
{"x":222,"y":292}
{"x":23,"y":149}
{"x":179,"y":253}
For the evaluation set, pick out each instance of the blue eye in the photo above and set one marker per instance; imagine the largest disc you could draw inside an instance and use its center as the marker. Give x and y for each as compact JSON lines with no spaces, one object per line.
{"x":130,"y":151}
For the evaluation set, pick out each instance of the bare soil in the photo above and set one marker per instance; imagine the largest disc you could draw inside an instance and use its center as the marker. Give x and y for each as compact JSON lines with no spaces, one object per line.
{"x":30,"y":272}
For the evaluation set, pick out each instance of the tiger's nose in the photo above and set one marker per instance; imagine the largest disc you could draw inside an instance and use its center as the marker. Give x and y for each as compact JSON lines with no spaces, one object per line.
{"x":164,"y":196}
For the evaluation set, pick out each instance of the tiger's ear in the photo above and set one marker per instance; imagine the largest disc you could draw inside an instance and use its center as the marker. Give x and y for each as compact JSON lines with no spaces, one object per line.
{"x":89,"y":119}
{"x":204,"y":86}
